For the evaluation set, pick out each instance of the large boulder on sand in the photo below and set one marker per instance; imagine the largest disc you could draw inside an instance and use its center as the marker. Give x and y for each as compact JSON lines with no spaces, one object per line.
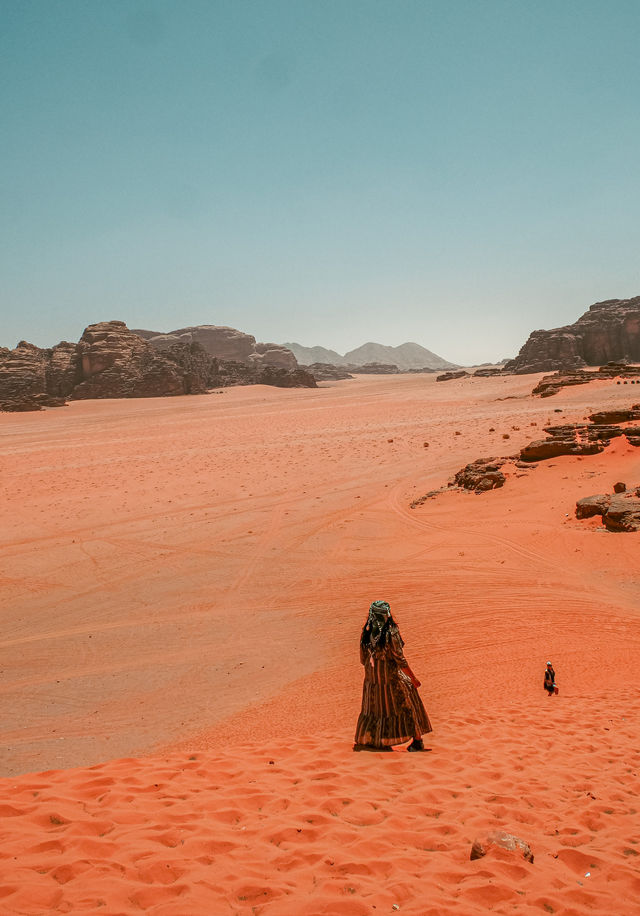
{"x":620,"y":512}
{"x":501,"y":840}
{"x":481,"y":475}
{"x":589,"y":506}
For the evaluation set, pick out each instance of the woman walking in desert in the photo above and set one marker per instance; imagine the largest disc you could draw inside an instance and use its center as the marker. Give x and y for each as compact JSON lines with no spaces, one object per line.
{"x":392,"y":711}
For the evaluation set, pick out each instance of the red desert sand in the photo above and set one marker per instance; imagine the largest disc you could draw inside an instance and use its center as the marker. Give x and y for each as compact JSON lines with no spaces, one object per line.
{"x":184,"y":584}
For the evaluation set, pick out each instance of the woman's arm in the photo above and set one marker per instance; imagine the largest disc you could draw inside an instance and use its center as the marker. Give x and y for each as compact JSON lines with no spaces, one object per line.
{"x":397,"y":652}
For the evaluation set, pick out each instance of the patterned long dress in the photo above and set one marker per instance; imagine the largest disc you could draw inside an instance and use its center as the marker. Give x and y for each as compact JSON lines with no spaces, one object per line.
{"x":392,"y":711}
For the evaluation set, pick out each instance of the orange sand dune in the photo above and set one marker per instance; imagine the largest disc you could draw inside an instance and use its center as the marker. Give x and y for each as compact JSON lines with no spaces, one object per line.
{"x":185,"y":579}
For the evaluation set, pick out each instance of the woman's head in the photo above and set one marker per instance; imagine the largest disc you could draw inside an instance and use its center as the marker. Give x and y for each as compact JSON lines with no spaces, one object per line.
{"x":379,"y":613}
{"x":378,"y":621}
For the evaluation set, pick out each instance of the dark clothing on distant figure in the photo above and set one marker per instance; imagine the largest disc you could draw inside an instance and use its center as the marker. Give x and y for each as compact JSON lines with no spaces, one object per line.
{"x":392,"y":711}
{"x":549,"y":679}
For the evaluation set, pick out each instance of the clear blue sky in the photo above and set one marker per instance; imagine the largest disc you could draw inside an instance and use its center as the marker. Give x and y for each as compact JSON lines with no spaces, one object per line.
{"x":453,"y":172}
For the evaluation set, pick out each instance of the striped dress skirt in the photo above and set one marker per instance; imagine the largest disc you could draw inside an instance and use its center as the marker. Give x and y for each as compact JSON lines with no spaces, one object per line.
{"x":392,"y":711}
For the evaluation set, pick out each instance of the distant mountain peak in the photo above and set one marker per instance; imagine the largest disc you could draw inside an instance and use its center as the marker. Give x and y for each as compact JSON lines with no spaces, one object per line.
{"x":408,"y":355}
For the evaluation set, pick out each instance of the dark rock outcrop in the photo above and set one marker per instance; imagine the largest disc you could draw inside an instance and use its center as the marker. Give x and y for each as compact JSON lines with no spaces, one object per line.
{"x":580,"y":438}
{"x":110,"y":361}
{"x":325,"y":372}
{"x":622,"y":369}
{"x":481,"y":475}
{"x":32,"y":377}
{"x":619,"y":512}
{"x":224,"y":343}
{"x":570,"y":439}
{"x":610,"y":330}
{"x":488,"y":373}
{"x":615,"y":415}
{"x":449,"y":376}
{"x":374,"y":369}
{"x":589,"y":506}
{"x":551,"y":384}
{"x":284,"y":378}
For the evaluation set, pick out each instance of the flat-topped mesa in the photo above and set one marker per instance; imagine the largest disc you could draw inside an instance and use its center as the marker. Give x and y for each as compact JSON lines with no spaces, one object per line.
{"x":226,"y":344}
{"x":608,"y":331}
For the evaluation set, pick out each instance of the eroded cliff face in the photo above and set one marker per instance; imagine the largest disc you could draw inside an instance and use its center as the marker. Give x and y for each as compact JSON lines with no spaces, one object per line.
{"x":608,"y":331}
{"x":32,"y":377}
{"x":110,"y":361}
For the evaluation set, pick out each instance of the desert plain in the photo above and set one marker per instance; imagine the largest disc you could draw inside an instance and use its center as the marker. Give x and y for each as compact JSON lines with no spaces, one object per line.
{"x":184,"y":581}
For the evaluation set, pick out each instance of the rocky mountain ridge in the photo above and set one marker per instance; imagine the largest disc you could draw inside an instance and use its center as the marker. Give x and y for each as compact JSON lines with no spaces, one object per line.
{"x":408,"y":356}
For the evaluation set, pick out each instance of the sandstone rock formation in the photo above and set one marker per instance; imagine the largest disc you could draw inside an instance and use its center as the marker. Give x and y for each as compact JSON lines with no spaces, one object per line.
{"x":488,"y":372}
{"x":584,"y":438}
{"x":481,"y":475}
{"x":449,"y":376}
{"x":551,"y":384}
{"x":375,"y":368}
{"x":110,"y":361}
{"x":117,"y":363}
{"x":224,"y":343}
{"x":615,"y":415}
{"x":617,"y":368}
{"x":324,"y":372}
{"x":609,"y":330}
{"x":31,"y":377}
{"x":619,"y":512}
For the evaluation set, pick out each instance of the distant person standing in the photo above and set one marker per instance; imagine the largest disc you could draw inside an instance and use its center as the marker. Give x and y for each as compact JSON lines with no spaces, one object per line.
{"x":392,"y":711}
{"x":550,"y":680}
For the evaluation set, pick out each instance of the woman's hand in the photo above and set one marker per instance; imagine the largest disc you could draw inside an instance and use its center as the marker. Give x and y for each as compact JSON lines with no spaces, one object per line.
{"x":409,"y":673}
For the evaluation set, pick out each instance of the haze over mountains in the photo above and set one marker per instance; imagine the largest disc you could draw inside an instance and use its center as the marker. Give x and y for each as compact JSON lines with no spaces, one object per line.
{"x":407,"y":356}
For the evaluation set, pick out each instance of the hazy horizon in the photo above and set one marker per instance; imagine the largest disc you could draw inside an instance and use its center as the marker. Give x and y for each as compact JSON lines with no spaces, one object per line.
{"x":447,"y":172}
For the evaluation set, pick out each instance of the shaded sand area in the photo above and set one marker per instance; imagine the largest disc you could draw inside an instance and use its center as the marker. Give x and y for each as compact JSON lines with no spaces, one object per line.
{"x":183,"y":585}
